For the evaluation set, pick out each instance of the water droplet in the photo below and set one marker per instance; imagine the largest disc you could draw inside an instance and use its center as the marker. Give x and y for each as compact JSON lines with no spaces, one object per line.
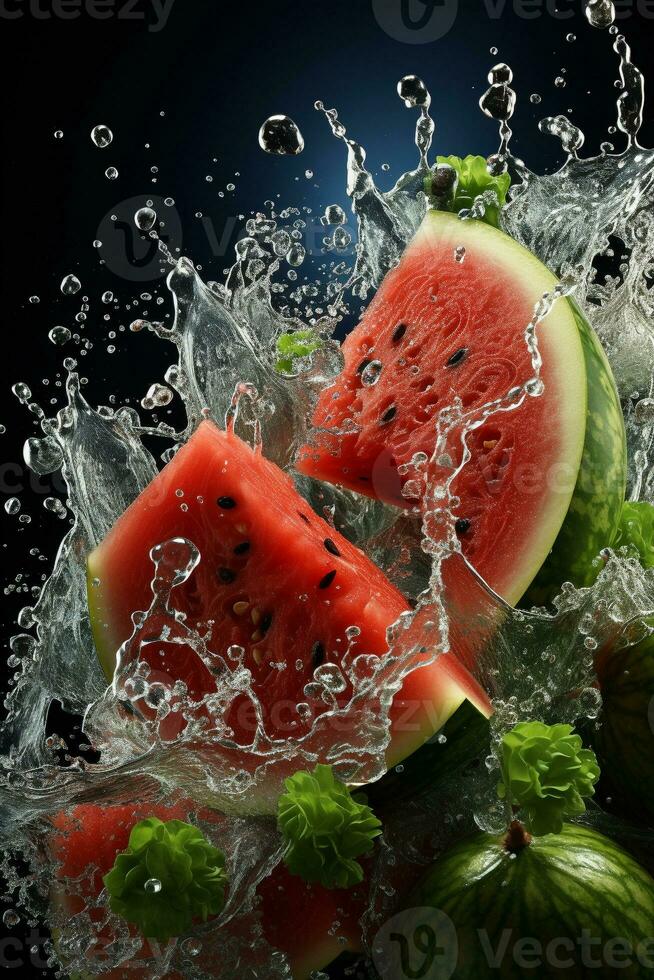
{"x":413,"y":91}
{"x":111,"y":173}
{"x":570,"y":38}
{"x":58,"y":134}
{"x":70,"y":285}
{"x":145,"y":219}
{"x":11,"y":918}
{"x":600,"y":13}
{"x":12,"y":506}
{"x":334,"y":215}
{"x":107,"y":297}
{"x":101,"y":136}
{"x":535,"y":98}
{"x":152,"y":886}
{"x":559,"y":81}
{"x":371,"y":373}
{"x":279,"y":134}
{"x":500,"y":75}
{"x":308,"y":174}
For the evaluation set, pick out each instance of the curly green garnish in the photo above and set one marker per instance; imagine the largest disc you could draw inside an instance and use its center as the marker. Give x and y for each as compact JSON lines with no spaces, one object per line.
{"x":547,"y":774}
{"x":325,"y":829}
{"x":473,"y":179}
{"x":636,"y":532}
{"x":293,"y":346}
{"x":169,"y":876}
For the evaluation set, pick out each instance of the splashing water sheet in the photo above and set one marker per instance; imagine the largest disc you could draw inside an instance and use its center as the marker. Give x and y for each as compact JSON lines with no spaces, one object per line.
{"x":533,"y":663}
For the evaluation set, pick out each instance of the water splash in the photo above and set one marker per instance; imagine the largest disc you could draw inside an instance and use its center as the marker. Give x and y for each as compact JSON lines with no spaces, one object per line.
{"x":151,"y":737}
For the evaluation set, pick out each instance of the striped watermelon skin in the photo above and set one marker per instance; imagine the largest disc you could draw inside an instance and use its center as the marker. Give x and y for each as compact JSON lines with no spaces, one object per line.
{"x":594,"y":513}
{"x":553,"y":889}
{"x":624,"y":740}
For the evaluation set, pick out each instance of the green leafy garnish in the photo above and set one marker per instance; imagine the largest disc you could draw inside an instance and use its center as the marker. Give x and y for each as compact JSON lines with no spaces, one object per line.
{"x":473,"y":180}
{"x":292,"y":347}
{"x":169,"y":875}
{"x":325,"y":829}
{"x":547,"y":774}
{"x":636,"y":532}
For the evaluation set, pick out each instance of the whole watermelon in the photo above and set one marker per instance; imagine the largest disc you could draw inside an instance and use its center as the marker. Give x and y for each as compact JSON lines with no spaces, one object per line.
{"x":570,"y":905}
{"x":624,"y":738}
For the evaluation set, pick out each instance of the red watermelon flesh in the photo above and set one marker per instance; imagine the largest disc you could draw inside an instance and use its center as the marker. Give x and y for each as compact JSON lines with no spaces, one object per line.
{"x":88,"y":838}
{"x":439,"y":328}
{"x":274,"y":578}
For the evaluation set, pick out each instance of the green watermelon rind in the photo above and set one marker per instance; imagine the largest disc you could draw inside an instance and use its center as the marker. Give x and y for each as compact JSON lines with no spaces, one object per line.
{"x":624,"y":736}
{"x":555,"y":888}
{"x":594,"y":513}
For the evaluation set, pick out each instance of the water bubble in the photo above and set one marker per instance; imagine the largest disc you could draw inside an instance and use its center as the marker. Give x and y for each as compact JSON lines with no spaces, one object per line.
{"x":145,"y":219}
{"x":413,"y":91}
{"x":498,"y":102}
{"x":559,"y":81}
{"x":70,"y":285}
{"x":111,"y":173}
{"x":152,"y":886}
{"x":107,"y":297}
{"x":11,"y":918}
{"x":34,"y":300}
{"x":157,"y":397}
{"x":371,"y":373}
{"x":101,"y":136}
{"x":55,"y":506}
{"x":58,"y":134}
{"x":308,"y":174}
{"x":570,"y":38}
{"x":279,"y":134}
{"x":600,"y":13}
{"x":43,"y":455}
{"x":500,"y":75}
{"x":296,"y":255}
{"x":12,"y":506}
{"x":535,"y":98}
{"x":334,"y":215}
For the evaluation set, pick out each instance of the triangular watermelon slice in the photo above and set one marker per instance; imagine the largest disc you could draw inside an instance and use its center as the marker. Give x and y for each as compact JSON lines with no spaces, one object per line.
{"x":449,"y":321}
{"x":274,"y":579}
{"x":82,"y":845}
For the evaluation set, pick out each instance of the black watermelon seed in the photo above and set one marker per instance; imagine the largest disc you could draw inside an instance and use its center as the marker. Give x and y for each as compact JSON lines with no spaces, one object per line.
{"x":331,"y":547}
{"x":364,"y":364}
{"x":327,"y":580}
{"x":226,"y":575}
{"x":456,"y":358}
{"x":242,"y":548}
{"x":365,"y":479}
{"x":388,"y":415}
{"x":304,"y":517}
{"x":317,"y":654}
{"x":227,"y":503}
{"x":462,"y":525}
{"x":399,"y":332}
{"x":266,"y":621}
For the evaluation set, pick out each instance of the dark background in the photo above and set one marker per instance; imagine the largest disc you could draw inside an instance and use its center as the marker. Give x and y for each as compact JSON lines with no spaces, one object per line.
{"x":217,"y":70}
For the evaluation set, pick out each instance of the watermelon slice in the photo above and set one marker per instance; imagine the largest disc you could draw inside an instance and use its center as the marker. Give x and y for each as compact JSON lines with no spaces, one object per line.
{"x":83,"y":846}
{"x":549,"y":475}
{"x":274,"y":579}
